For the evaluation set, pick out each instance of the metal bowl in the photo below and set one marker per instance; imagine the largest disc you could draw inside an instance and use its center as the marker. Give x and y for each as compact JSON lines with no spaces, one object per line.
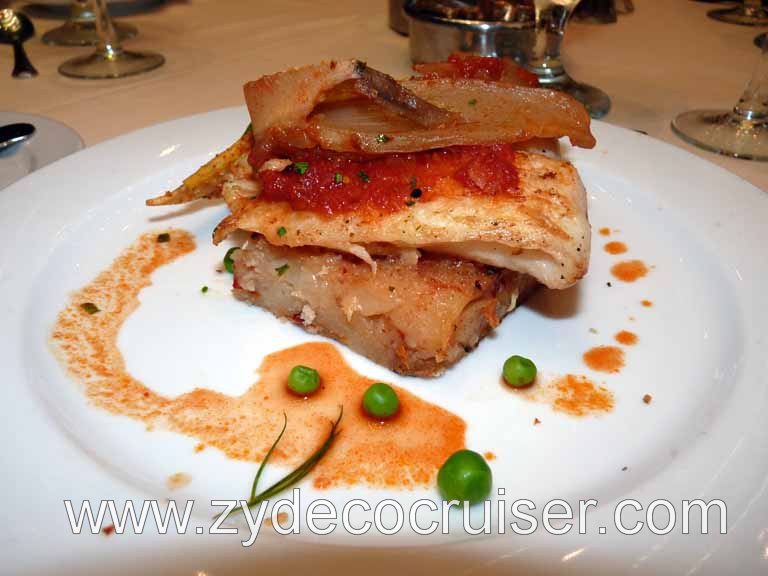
{"x":433,"y":37}
{"x":398,"y":21}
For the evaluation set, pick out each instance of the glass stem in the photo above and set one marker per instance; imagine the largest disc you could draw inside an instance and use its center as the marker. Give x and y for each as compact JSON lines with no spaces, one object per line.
{"x":80,"y":12}
{"x":550,"y":27}
{"x":753,"y":104}
{"x":555,"y":31}
{"x":109,"y":45}
{"x":753,"y":8}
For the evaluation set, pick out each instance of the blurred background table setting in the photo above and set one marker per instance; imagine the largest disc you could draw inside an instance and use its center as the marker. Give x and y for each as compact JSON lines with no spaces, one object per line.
{"x":638,"y":64}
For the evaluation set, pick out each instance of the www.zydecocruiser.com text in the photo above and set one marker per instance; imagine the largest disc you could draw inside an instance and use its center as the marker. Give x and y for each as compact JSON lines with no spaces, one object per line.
{"x":422,"y":517}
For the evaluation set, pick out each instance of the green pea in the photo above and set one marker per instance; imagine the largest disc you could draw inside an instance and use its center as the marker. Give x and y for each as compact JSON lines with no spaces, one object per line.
{"x":465,"y":476}
{"x":229,"y":264}
{"x":303,"y":380}
{"x":381,"y":401}
{"x":519,"y":371}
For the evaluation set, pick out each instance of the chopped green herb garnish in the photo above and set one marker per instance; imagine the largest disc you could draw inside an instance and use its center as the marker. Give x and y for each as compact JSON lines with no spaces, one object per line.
{"x":282,"y":231}
{"x":164,"y":237}
{"x":383,"y":138}
{"x":301,"y":167}
{"x":410,"y":203}
{"x":90,"y":307}
{"x":363,"y":176}
{"x":338,"y":178}
{"x":416,"y":193}
{"x":229,"y":264}
{"x":282,"y":269}
{"x":204,"y":289}
{"x":298,"y":474}
{"x":473,"y":102}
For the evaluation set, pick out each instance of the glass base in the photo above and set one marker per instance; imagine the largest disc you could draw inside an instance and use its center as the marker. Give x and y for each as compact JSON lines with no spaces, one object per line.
{"x":84,"y":33}
{"x":741,"y":16}
{"x":724,"y":132}
{"x":98,"y":65}
{"x":597,"y":102}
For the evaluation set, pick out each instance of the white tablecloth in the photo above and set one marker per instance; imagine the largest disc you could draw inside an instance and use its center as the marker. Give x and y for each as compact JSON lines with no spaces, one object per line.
{"x":665,"y":58}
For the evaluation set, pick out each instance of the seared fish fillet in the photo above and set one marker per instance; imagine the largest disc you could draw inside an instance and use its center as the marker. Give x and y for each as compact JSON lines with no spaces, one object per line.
{"x":403,"y":218}
{"x":414,"y":317}
{"x":540,"y":228}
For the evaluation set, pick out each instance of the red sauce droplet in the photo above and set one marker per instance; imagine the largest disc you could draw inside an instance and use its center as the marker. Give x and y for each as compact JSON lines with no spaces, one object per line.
{"x":629,"y":271}
{"x":489,"y":456}
{"x":108,"y":530}
{"x":387,"y":184}
{"x":605,"y":359}
{"x":627,"y":338}
{"x":605,"y":231}
{"x":646,"y":303}
{"x":615,"y":247}
{"x":404,"y":452}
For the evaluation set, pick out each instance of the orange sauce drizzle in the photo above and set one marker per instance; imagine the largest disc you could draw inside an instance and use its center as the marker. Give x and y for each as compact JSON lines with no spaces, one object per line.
{"x":489,"y":456}
{"x":605,"y":231}
{"x":646,"y":303}
{"x":403,"y":452}
{"x":571,"y":394}
{"x":629,"y":271}
{"x":626,"y":337}
{"x":605,"y":359}
{"x":178,"y":480}
{"x":615,"y":247}
{"x":578,"y":396}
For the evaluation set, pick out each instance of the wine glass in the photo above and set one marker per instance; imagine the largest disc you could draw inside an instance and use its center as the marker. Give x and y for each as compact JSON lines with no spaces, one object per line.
{"x":80,"y":28}
{"x":748,"y":13}
{"x":741,"y":132}
{"x":109,"y":60}
{"x":544,"y":59}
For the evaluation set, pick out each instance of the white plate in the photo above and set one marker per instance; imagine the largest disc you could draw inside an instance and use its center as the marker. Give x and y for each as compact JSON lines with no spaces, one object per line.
{"x":52,"y":140}
{"x":701,"y":356}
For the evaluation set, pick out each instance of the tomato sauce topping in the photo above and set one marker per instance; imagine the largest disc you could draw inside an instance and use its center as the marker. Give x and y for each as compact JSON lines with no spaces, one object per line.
{"x":332,"y":182}
{"x":483,"y":68}
{"x":478,"y":67}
